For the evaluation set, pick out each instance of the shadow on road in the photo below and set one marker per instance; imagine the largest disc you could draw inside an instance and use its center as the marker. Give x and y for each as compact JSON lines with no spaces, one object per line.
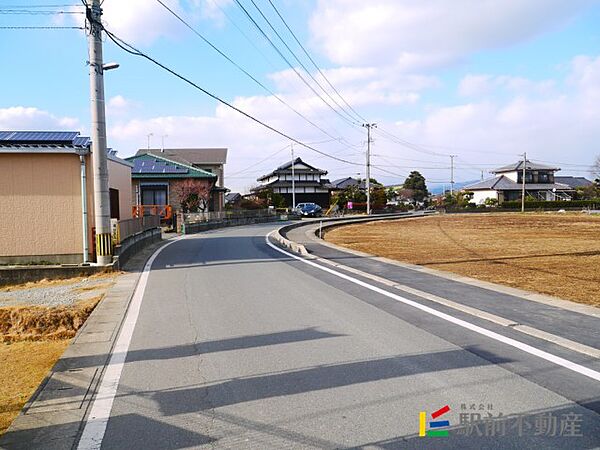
{"x":311,"y":379}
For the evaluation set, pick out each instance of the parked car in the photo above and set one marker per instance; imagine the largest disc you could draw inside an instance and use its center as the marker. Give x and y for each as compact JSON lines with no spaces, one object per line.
{"x":309,"y":210}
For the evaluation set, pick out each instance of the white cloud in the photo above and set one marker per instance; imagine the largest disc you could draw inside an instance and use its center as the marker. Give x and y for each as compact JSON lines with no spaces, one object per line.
{"x":118,"y":102}
{"x":415,"y":35}
{"x":30,"y":118}
{"x":549,"y":125}
{"x":480,"y":85}
{"x":141,"y":22}
{"x":213,"y":10}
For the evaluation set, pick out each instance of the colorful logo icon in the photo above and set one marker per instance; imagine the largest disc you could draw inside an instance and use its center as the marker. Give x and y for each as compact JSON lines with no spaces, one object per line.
{"x":434,"y":425}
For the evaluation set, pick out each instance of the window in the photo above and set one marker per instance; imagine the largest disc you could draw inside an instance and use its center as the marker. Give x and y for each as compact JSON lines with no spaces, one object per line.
{"x":154,"y":195}
{"x":114,"y":203}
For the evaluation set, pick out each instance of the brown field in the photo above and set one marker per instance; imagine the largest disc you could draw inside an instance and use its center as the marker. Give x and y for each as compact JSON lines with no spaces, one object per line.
{"x":22,"y":368}
{"x":33,"y":337}
{"x":554,"y":254}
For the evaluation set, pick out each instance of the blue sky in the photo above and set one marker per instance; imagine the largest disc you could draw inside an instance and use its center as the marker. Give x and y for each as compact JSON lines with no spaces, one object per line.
{"x":480,"y":79}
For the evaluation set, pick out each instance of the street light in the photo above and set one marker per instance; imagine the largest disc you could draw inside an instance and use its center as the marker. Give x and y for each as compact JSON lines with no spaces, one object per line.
{"x":110,"y":66}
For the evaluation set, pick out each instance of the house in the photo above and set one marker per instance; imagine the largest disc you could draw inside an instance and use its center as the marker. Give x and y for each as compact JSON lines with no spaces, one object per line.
{"x":233,"y":200}
{"x":540,"y":183}
{"x":310,"y":186}
{"x":43,"y":176}
{"x":155,"y":181}
{"x":344,"y":183}
{"x":210,"y":160}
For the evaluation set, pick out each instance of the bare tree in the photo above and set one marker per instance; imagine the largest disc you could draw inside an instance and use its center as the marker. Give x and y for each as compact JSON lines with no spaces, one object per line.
{"x":193,"y":195}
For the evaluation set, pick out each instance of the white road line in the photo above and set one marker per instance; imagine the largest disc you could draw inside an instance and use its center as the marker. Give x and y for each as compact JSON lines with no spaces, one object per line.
{"x":95,"y":424}
{"x":462,"y":323}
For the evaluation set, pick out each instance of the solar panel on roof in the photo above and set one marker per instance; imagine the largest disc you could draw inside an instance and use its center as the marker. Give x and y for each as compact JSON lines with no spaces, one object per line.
{"x":66,"y":137}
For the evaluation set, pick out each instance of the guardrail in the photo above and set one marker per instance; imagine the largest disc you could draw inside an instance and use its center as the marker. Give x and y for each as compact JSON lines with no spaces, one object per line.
{"x":130,"y":227}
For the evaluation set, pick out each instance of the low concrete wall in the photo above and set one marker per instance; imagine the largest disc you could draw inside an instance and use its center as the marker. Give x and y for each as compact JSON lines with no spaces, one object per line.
{"x":75,"y":258}
{"x":128,"y":248}
{"x":133,"y":244}
{"x":191,"y":228}
{"x":19,"y":275}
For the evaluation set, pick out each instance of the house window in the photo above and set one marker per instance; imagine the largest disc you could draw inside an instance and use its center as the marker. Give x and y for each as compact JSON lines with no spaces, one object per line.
{"x":154,"y":195}
{"x":544,"y":177}
{"x":114,"y":203}
{"x":528,"y":177}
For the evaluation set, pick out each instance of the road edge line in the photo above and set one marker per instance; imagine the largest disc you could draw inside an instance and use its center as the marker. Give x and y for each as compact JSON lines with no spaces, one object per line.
{"x":101,"y":407}
{"x":582,"y":370}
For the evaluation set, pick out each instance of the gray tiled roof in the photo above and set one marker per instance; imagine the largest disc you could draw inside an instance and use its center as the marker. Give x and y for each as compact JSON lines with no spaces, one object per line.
{"x":502,"y":183}
{"x":286,"y":168}
{"x":519,"y":166}
{"x":574,"y":182}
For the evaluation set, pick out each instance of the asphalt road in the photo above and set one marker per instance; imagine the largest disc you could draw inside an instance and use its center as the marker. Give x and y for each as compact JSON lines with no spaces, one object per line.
{"x":239,"y":346}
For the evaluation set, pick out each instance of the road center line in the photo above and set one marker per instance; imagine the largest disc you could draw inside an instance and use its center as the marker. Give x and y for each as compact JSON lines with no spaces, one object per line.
{"x":95,"y":424}
{"x":462,"y":323}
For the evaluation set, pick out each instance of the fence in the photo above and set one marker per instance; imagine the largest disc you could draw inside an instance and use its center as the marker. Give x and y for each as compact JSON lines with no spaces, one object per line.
{"x":217,"y":216}
{"x":129,"y":227}
{"x":164,"y":211}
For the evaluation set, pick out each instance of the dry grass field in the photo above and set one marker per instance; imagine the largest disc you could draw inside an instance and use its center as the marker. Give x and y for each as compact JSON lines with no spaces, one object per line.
{"x":35,"y":332}
{"x":554,"y":254}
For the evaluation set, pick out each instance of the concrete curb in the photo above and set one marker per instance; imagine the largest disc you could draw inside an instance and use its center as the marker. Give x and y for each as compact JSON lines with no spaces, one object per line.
{"x":312,"y":232}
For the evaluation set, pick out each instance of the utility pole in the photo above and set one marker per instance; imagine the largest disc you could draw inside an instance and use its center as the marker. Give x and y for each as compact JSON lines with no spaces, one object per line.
{"x":369,"y":126}
{"x":523,"y":182}
{"x":98,"y":134}
{"x":482,"y":175}
{"x":452,"y":174}
{"x":293,"y":180}
{"x":149,"y":135}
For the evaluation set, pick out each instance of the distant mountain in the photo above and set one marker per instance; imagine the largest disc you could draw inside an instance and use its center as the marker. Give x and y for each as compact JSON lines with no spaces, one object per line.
{"x":439,"y":189}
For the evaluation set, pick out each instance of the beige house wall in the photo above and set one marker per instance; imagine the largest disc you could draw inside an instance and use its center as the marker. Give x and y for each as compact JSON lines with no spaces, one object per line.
{"x":40,"y":200}
{"x":119,"y":177}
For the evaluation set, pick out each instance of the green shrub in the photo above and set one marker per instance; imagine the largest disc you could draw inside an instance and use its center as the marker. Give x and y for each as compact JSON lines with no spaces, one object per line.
{"x":540,"y":204}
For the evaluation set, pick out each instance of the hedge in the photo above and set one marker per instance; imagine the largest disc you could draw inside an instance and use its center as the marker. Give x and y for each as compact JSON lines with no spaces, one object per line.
{"x":540,"y":204}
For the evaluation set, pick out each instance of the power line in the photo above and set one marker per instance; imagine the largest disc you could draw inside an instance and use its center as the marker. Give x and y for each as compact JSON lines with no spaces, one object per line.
{"x":36,"y":12}
{"x":287,"y":61}
{"x":249,"y":75}
{"x":67,"y":5}
{"x":134,"y":51}
{"x":39,"y":28}
{"x":259,"y":162}
{"x":300,"y":62}
{"x":315,"y":64}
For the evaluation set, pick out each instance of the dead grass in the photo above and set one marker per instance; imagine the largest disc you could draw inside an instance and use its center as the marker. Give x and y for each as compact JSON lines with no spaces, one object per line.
{"x":554,"y":254}
{"x":32,"y":338}
{"x":23,"y":367}
{"x":95,"y":287}
{"x":34,"y":323}
{"x":62,"y":282}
